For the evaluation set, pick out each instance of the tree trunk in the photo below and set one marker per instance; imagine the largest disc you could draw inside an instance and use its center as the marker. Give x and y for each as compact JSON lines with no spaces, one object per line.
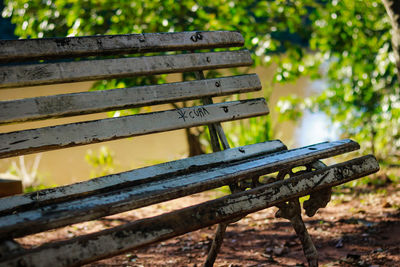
{"x":393,"y":9}
{"x":194,"y":143}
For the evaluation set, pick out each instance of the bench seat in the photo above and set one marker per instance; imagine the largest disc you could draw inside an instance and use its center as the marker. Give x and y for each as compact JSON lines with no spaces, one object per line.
{"x":142,"y":187}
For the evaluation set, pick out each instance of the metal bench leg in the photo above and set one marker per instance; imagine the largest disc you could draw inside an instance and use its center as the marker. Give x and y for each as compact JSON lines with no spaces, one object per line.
{"x":292,"y":212}
{"x":216,"y":245}
{"x":217,"y":242}
{"x":219,"y":236}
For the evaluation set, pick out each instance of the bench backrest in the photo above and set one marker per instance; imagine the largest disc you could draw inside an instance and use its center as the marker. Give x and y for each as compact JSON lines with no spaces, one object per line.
{"x":60,"y":60}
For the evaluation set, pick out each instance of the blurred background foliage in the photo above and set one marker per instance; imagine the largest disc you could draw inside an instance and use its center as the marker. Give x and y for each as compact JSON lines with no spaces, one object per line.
{"x":345,"y":43}
{"x":101,"y":161}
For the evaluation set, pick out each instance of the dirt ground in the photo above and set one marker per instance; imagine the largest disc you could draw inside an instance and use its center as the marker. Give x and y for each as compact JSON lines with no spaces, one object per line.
{"x":356,"y":229}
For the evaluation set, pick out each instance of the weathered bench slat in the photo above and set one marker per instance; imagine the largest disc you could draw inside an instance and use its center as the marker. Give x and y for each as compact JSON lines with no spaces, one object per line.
{"x":74,"y":134}
{"x":98,"y":101}
{"x":137,"y":176}
{"x":143,"y":232}
{"x":20,"y":50}
{"x":48,"y":73}
{"x":163,"y":189}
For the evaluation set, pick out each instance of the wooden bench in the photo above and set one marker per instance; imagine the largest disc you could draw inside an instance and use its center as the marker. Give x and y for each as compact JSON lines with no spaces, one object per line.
{"x":60,"y":60}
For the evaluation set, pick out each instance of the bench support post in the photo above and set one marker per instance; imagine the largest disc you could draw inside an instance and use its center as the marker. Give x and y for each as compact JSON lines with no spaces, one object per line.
{"x":292,"y":212}
{"x":216,"y":135}
{"x":218,"y":138}
{"x":216,"y":245}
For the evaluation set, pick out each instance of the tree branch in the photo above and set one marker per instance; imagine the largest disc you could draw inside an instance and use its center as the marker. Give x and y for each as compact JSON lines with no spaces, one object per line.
{"x":393,"y":10}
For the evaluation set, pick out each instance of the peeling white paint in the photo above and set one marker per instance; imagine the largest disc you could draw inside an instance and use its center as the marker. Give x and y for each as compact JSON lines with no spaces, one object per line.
{"x":142,"y":174}
{"x":97,"y":101}
{"x":50,"y":138}
{"x":117,"y":44}
{"x":102,"y":245}
{"x":49,"y":73}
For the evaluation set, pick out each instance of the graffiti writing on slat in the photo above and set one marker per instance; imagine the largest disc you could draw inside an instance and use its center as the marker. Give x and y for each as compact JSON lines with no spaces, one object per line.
{"x":193,"y":113}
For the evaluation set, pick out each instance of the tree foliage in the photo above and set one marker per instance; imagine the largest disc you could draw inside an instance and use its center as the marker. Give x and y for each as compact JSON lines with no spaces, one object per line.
{"x":346,"y":43}
{"x":268,"y":26}
{"x":351,"y":42}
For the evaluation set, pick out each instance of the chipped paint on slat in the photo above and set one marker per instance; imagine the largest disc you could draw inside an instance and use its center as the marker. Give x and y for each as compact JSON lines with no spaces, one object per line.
{"x":55,"y":106}
{"x":82,"y":133}
{"x":87,"y":70}
{"x":45,"y":48}
{"x":138,"y":176}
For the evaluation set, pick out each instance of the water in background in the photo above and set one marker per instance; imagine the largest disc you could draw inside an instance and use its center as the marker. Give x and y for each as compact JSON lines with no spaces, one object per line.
{"x":315,"y":127}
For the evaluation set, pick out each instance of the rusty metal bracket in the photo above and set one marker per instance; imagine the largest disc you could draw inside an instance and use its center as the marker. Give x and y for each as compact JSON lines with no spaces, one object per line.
{"x":317,"y":199}
{"x":292,"y":210}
